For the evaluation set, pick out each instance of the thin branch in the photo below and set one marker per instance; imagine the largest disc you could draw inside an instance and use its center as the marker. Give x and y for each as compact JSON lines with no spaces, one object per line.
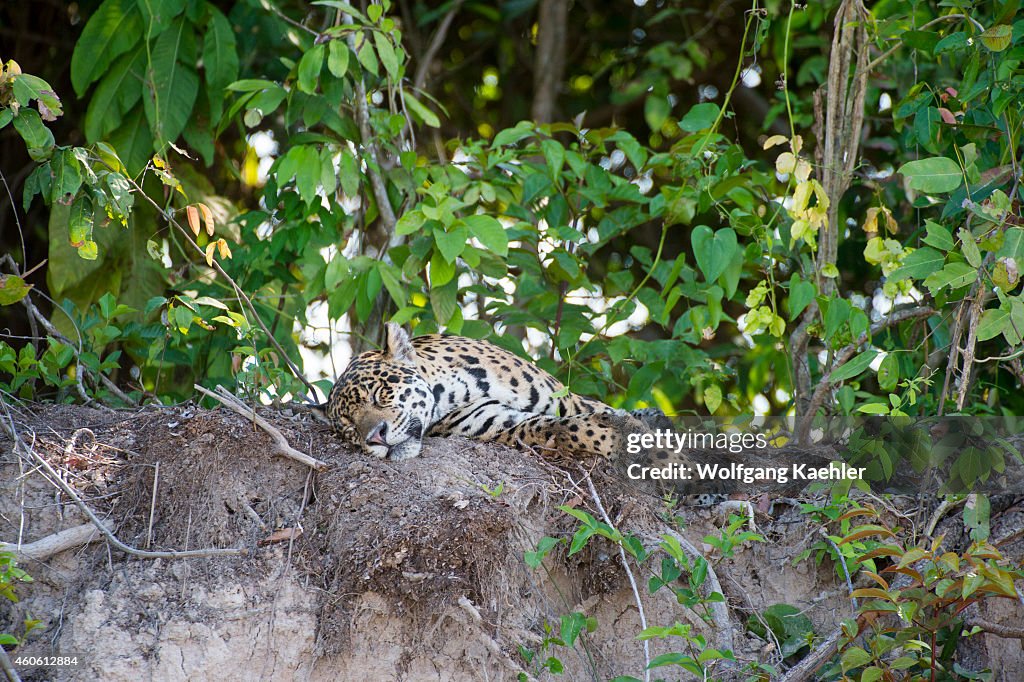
{"x":888,"y":53}
{"x":823,"y":532}
{"x":629,"y":573}
{"x":17,"y":222}
{"x":283,"y":448}
{"x":825,"y":384}
{"x":436,"y":42}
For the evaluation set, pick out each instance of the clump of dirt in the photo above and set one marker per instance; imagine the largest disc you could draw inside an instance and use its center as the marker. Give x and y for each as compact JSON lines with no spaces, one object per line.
{"x":369,"y":570}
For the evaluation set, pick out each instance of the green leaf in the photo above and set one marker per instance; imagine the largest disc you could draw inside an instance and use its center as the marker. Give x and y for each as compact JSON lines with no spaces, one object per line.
{"x":919,"y":264}
{"x":117,"y":93}
{"x":993,"y":323}
{"x":220,"y":59}
{"x":28,"y":87}
{"x":309,"y":68}
{"x":489,"y":232}
{"x":307,"y":171}
{"x":367,"y":57}
{"x":712,"y":397}
{"x":1013,"y":245}
{"x":451,"y":244}
{"x":554,"y":157}
{"x":938,"y":236}
{"x":997,"y":38}
{"x":837,"y":313}
{"x":410,"y":222}
{"x":954,"y":275}
{"x":67,"y":176}
{"x":12,"y":289}
{"x":889,"y":373}
{"x":420,"y":111}
{"x":934,"y":175}
{"x":337,"y":58}
{"x":853,"y":367}
{"x":36,"y":135}
{"x":970,"y":247}
{"x":801,"y":293}
{"x":1014,"y":331}
{"x":954,"y":41}
{"x":713,"y":250}
{"x":387,"y":54}
{"x":441,"y":270}
{"x":854,"y":657}
{"x":700,"y":117}
{"x":173,"y":86}
{"x":443,"y":300}
{"x":113,"y":30}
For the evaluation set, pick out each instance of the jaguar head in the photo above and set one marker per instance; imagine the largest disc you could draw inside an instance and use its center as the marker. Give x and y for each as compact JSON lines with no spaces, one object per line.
{"x":381,"y":403}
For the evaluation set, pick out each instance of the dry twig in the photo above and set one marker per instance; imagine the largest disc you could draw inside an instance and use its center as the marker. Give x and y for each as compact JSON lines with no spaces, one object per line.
{"x":629,"y":573}
{"x":283,"y":448}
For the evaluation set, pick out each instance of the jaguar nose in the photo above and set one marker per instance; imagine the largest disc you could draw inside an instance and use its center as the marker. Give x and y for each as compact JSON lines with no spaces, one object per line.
{"x":377,"y":434}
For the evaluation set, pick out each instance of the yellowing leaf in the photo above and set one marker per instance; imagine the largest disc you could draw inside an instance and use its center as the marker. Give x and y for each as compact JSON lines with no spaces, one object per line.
{"x":871,"y":220}
{"x":193,"y":219}
{"x":802,"y":171}
{"x":207,"y":218}
{"x":785,"y":163}
{"x":209,"y":253}
{"x":223,"y":249}
{"x":774,"y":140}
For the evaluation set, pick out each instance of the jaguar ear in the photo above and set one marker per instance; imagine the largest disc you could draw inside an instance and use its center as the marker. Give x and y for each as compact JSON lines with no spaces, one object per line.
{"x":398,"y":346}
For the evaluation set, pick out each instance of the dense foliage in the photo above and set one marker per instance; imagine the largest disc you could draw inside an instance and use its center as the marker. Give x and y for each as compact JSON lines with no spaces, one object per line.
{"x":351,"y":165}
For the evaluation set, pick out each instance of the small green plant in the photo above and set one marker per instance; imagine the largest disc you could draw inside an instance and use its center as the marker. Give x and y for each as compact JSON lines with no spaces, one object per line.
{"x":570,"y":628}
{"x":732,"y":537}
{"x":787,"y":624}
{"x":11,"y":575}
{"x":847,"y":557}
{"x":685,"y":576}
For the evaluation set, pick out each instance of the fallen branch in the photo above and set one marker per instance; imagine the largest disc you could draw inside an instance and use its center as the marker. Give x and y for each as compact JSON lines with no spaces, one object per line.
{"x":821,"y":652}
{"x":8,"y":667}
{"x":283,"y":448}
{"x":56,"y":543}
{"x":997,"y":629}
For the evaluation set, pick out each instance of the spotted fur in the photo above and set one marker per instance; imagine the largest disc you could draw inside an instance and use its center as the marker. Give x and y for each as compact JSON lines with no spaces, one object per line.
{"x":386,"y":401}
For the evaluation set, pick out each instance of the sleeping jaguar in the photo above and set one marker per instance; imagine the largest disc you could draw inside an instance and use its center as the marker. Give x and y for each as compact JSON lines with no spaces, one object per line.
{"x":387,"y":400}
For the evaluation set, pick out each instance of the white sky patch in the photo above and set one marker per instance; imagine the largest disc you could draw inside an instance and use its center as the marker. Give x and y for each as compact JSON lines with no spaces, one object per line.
{"x":334,"y":335}
{"x":761,"y":405}
{"x":884,"y":102}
